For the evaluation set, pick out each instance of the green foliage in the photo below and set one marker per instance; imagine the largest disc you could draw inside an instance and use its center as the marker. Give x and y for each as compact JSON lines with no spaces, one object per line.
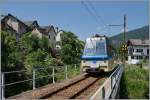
{"x":30,"y":52}
{"x":37,"y":59}
{"x":31,"y":42}
{"x":33,"y":52}
{"x":72,"y":48}
{"x":134,"y":83}
{"x":11,"y":57}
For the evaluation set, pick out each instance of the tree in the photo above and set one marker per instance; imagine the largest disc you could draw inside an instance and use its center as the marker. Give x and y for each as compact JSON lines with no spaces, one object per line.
{"x":11,"y":59}
{"x":72,"y":48}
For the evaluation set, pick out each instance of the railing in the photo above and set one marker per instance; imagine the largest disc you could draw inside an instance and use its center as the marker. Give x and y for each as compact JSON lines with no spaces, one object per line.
{"x":34,"y":78}
{"x":106,"y":89}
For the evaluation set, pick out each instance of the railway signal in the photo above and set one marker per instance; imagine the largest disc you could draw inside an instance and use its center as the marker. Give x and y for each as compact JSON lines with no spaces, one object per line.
{"x":124,"y":47}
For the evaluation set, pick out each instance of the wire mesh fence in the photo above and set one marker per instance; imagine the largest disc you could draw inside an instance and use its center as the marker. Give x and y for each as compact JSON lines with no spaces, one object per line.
{"x":36,"y":78}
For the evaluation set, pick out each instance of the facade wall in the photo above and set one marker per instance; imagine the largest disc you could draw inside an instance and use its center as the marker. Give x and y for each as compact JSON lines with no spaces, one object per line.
{"x":137,"y":53}
{"x":58,"y":40}
{"x":140,"y":47}
{"x":37,"y":32}
{"x":52,"y":37}
{"x":22,"y":29}
{"x":17,"y":26}
{"x":13,"y":23}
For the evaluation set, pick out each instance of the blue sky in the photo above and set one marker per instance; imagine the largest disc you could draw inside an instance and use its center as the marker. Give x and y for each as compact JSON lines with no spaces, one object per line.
{"x":73,"y":15}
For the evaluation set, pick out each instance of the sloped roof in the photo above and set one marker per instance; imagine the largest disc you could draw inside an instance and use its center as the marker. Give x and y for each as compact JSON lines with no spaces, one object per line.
{"x":28,"y":23}
{"x":9,"y":15}
{"x":14,"y":17}
{"x":46,"y":29}
{"x":139,"y":42}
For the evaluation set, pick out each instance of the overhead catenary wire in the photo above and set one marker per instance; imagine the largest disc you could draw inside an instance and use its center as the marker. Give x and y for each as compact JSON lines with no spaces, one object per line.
{"x":90,"y":12}
{"x":98,"y":19}
{"x":96,"y":13}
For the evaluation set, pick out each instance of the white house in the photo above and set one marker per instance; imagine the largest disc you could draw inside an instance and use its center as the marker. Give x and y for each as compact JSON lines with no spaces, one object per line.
{"x":137,"y":50}
{"x":58,"y":40}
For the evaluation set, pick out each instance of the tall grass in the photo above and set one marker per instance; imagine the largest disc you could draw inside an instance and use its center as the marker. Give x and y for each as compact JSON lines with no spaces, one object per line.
{"x":135,"y":83}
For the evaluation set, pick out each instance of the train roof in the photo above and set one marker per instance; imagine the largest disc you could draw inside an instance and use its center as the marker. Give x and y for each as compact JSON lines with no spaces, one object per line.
{"x":97,"y":35}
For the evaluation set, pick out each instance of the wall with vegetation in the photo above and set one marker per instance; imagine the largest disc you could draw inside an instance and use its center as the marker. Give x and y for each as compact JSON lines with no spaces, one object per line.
{"x":34,"y":52}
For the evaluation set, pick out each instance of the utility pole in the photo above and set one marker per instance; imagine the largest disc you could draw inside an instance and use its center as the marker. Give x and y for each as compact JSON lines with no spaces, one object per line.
{"x":124,"y":36}
{"x":124,"y":39}
{"x":124,"y":28}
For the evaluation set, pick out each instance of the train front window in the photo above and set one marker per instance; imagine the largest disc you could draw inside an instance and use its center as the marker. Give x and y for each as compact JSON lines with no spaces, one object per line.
{"x":94,"y":47}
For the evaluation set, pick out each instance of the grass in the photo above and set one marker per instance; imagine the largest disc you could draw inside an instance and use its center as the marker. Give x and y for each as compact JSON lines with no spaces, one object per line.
{"x":71,"y":72}
{"x":135,"y":83}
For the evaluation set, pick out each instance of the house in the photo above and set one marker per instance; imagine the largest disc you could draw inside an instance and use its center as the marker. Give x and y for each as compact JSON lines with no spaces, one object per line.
{"x":58,"y":39}
{"x":47,"y":31}
{"x":31,"y":24}
{"x":137,"y":50}
{"x":18,"y":28}
{"x":14,"y":25}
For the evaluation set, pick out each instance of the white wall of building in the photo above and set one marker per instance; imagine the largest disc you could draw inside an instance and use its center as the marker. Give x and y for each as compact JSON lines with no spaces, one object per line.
{"x":17,"y":26}
{"x":140,"y":47}
{"x":58,"y":38}
{"x":13,"y":23}
{"x":136,"y":56}
{"x":37,"y":32}
{"x":52,"y":37}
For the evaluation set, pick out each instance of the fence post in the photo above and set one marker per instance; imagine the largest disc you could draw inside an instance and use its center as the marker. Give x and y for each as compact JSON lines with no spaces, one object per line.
{"x":53,"y":75}
{"x":33,"y":79}
{"x":75,"y":66}
{"x":66,"y":72}
{"x":3,"y":85}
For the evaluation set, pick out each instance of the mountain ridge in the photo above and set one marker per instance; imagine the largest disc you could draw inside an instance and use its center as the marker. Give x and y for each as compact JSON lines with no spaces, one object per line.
{"x":139,"y":33}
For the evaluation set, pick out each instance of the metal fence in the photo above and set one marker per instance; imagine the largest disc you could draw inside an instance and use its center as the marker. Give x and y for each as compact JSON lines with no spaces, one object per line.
{"x":52,"y":75}
{"x":109,"y":86}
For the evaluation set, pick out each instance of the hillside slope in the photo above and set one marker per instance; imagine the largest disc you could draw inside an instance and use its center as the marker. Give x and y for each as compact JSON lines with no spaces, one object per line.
{"x":140,"y":33}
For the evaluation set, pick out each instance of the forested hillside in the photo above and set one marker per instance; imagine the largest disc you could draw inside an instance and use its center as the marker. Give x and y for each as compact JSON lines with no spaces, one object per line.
{"x":140,"y":33}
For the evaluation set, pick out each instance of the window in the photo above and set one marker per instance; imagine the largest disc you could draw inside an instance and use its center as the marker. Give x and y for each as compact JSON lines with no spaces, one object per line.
{"x":49,"y":37}
{"x":94,"y":47}
{"x":139,"y":57}
{"x":139,"y":50}
{"x":147,"y":57}
{"x":132,"y":57}
{"x":54,"y":37}
{"x":147,"y":51}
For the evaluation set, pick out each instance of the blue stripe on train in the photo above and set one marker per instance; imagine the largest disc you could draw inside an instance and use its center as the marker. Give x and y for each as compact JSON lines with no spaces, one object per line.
{"x":99,"y":57}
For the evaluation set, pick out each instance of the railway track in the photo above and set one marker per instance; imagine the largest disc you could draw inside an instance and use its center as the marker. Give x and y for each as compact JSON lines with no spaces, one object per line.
{"x":77,"y":89}
{"x":80,"y":87}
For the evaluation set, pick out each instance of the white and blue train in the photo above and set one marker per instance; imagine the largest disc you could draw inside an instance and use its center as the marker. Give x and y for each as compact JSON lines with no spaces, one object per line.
{"x":97,"y":55}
